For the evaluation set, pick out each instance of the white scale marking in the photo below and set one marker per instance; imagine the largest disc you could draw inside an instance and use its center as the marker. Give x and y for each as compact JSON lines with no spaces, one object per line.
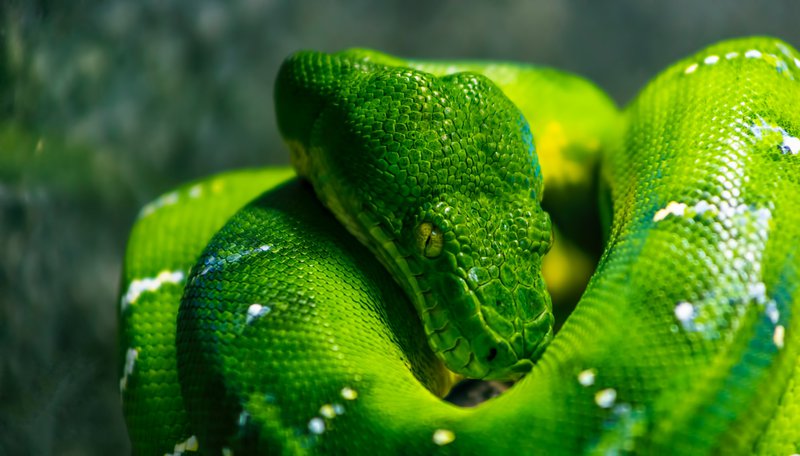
{"x":130,"y":361}
{"x":244,"y":418}
{"x":772,"y":311}
{"x":443,"y":436}
{"x":778,"y":336}
{"x":189,"y":444}
{"x":316,"y":425}
{"x":327,"y":411}
{"x":213,"y":263}
{"x":743,"y":270}
{"x":781,"y":66}
{"x":790,"y":144}
{"x":162,"y":201}
{"x":256,"y":311}
{"x":702,"y":207}
{"x":196,"y":191}
{"x":673,"y":208}
{"x":349,"y":393}
{"x":139,"y":286}
{"x":753,"y":54}
{"x":587,"y":377}
{"x":685,"y":313}
{"x":605,"y":398}
{"x":757,"y":291}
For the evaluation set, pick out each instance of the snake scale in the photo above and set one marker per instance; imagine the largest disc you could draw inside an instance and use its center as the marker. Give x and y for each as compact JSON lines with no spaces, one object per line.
{"x":263,"y":313}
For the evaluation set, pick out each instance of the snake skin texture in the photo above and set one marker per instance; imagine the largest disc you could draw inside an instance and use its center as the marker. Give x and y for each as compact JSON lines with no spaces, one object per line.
{"x":264,"y":314}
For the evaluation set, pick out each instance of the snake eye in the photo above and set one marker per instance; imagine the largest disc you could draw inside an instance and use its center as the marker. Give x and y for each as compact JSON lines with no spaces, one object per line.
{"x":429,"y":239}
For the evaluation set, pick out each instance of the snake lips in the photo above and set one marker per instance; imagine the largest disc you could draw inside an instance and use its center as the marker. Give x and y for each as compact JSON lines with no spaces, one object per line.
{"x":462,"y":230}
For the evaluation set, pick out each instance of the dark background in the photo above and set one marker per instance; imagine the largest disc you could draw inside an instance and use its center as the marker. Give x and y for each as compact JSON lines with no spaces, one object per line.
{"x":107,"y":104}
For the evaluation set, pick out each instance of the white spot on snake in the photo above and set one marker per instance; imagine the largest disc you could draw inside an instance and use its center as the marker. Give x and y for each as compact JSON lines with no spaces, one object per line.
{"x":214,"y":263}
{"x":316,"y":425}
{"x":772,"y":311}
{"x":130,"y":361}
{"x":758,"y":292}
{"x":162,"y":201}
{"x":443,"y":436}
{"x":587,"y":377}
{"x":256,"y":311}
{"x":349,"y":393}
{"x":741,"y":230}
{"x":673,"y":208}
{"x":327,"y":411}
{"x":338,"y":409}
{"x":684,"y":312}
{"x":775,"y":61}
{"x":244,"y":417}
{"x":762,"y":125}
{"x":139,"y":286}
{"x":701,"y":207}
{"x":778,"y":336}
{"x":753,"y":54}
{"x":189,"y":444}
{"x":196,"y":191}
{"x":790,"y":145}
{"x":605,"y":398}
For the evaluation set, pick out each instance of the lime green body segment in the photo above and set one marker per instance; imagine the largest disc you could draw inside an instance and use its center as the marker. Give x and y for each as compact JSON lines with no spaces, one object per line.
{"x":168,"y":237}
{"x":295,"y":335}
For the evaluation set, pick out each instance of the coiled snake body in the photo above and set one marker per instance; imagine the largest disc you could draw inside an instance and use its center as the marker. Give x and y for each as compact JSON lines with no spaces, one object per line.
{"x":272,"y":324}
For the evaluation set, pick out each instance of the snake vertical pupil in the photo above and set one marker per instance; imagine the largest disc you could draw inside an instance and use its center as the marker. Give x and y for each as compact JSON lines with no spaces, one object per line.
{"x":492,"y":354}
{"x":429,"y":239}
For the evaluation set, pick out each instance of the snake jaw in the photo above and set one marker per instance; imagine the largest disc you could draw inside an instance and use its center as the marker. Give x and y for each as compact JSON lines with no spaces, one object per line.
{"x":474,"y":340}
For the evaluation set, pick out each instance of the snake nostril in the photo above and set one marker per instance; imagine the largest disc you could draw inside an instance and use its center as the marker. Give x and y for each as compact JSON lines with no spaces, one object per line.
{"x":492,"y":354}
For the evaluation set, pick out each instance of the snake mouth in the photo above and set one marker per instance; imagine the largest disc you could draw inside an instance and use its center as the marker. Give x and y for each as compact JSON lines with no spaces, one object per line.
{"x":474,"y":340}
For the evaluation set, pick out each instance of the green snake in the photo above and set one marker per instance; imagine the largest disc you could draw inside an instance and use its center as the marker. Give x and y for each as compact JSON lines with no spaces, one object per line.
{"x":263,"y":313}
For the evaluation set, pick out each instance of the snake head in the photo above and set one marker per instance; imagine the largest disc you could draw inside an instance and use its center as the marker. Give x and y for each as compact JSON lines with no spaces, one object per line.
{"x":438,"y":177}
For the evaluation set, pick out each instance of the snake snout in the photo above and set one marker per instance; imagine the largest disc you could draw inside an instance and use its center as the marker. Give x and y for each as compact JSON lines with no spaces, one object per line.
{"x":494,"y":332}
{"x":520,"y":323}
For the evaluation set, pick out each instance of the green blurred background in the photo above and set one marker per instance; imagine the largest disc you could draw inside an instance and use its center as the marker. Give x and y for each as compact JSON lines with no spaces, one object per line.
{"x":106,"y":104}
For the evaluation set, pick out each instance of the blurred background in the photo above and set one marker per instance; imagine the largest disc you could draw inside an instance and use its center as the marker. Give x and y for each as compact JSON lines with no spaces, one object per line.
{"x":106,"y":104}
